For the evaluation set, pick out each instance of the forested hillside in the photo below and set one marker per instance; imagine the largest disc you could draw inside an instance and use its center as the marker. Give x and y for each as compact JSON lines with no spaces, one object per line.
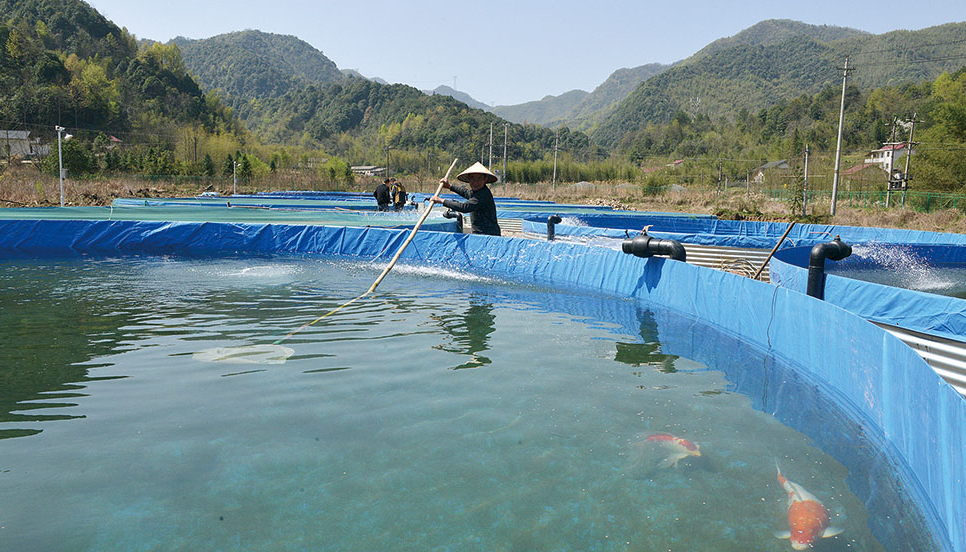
{"x":545,"y":111}
{"x":249,"y":66}
{"x":579,"y":109}
{"x":361,"y":118}
{"x":605,"y":97}
{"x":775,"y":31}
{"x":64,"y":64}
{"x":753,"y":76}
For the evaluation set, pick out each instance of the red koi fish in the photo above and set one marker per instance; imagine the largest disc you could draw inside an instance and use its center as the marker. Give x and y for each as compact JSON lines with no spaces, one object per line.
{"x":679,"y":448}
{"x":807,"y":517}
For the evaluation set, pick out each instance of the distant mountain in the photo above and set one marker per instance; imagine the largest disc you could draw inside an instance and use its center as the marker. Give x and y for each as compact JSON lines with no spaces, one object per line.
{"x":409,"y":119}
{"x":780,"y":60}
{"x":577,"y":108}
{"x":618,"y":86}
{"x":358,"y":75}
{"x":544,"y":111}
{"x":254,"y":65}
{"x":775,"y":31}
{"x":461,"y":96}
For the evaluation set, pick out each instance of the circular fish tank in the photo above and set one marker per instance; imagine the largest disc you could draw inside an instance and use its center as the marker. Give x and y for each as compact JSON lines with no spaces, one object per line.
{"x":223,"y":386}
{"x":449,"y":410}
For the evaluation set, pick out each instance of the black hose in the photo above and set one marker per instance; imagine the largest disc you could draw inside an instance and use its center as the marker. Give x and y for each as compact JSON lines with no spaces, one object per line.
{"x":835,"y":250}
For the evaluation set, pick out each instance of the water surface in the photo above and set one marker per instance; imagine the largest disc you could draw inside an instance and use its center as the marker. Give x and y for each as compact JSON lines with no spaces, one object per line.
{"x":447,"y":411}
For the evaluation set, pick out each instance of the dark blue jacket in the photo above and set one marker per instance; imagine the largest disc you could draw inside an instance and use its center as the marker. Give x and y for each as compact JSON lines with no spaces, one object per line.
{"x":479,"y":205}
{"x":382,"y":197}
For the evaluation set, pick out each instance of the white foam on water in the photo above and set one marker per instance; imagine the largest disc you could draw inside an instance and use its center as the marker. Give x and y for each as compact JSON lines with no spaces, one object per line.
{"x":379,"y":264}
{"x":264,"y":271}
{"x":246,"y":354}
{"x":572,"y":221}
{"x":908,"y":269}
{"x":438,"y":272}
{"x":594,"y":241}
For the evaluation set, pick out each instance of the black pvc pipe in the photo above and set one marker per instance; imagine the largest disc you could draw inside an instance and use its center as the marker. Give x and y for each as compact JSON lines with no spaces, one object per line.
{"x":646,"y":246}
{"x":835,"y":250}
{"x":552,"y":221}
{"x":451,"y":214}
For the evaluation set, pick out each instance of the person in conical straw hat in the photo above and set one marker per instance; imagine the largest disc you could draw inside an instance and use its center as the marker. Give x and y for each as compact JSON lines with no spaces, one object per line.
{"x":479,"y":200}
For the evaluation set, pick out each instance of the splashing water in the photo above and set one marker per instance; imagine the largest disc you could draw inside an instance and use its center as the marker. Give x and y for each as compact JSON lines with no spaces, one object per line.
{"x":900,"y":266}
{"x":572,"y":221}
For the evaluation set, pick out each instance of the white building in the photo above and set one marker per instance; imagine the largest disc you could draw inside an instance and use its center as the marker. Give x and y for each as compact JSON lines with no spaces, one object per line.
{"x":887,"y":156}
{"x":18,"y":143}
{"x":368,"y":170}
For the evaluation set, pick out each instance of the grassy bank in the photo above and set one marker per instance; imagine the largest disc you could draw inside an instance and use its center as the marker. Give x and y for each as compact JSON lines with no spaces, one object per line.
{"x":27,"y":187}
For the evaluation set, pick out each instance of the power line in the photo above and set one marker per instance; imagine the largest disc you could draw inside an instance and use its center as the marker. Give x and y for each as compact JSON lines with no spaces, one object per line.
{"x":106,"y":131}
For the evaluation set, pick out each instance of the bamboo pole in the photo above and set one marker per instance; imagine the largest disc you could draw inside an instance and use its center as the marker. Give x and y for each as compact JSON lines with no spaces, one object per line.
{"x":384,"y":272}
{"x":768,"y":258}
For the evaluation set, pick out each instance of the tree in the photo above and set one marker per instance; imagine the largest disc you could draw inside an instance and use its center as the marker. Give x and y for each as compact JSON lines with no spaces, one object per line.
{"x":207,"y":166}
{"x":228,"y":167}
{"x":244,"y":167}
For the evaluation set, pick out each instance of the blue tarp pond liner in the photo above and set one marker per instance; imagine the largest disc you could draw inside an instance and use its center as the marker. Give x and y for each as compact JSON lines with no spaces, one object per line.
{"x":354,"y":204}
{"x":885,"y":385}
{"x":905,"y":308}
{"x":233,"y":214}
{"x":734,"y":233}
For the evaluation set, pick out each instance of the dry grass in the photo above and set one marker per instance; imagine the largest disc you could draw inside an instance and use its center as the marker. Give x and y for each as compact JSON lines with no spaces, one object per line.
{"x":25,"y":186}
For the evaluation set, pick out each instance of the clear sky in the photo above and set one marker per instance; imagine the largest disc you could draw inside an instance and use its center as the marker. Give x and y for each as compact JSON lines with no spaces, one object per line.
{"x":505,"y":52}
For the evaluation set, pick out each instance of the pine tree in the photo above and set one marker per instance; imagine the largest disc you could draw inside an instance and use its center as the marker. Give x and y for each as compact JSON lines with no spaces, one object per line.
{"x":207,"y":166}
{"x":227,"y":168}
{"x":244,"y":167}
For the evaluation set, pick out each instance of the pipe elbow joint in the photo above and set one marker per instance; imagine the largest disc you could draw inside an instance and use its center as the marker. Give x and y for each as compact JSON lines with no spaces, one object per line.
{"x":835,"y":250}
{"x":646,"y":246}
{"x":552,"y":221}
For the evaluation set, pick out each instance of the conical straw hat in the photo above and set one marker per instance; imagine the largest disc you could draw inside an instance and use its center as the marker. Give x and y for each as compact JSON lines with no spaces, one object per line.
{"x":477,"y":168}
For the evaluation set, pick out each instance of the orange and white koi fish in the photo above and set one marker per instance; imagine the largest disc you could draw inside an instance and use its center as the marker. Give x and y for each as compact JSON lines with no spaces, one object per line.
{"x":807,"y":517}
{"x":678,"y":448}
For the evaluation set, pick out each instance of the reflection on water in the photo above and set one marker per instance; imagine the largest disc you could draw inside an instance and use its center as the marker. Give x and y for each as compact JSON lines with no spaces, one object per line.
{"x":366,"y":438}
{"x":468,"y":331}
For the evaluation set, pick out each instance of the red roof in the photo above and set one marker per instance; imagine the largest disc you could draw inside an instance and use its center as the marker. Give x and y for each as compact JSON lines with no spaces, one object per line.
{"x":892,"y":147}
{"x":860,"y":167}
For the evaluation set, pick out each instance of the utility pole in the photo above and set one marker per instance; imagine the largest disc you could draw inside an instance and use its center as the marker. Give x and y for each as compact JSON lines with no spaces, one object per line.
{"x":905,"y":175}
{"x":490,"y":164}
{"x":234,"y":177}
{"x":554,"y":181}
{"x":60,"y":163}
{"x":505,"y":131}
{"x":892,"y":154}
{"x":805,"y":185}
{"x":838,"y":144}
